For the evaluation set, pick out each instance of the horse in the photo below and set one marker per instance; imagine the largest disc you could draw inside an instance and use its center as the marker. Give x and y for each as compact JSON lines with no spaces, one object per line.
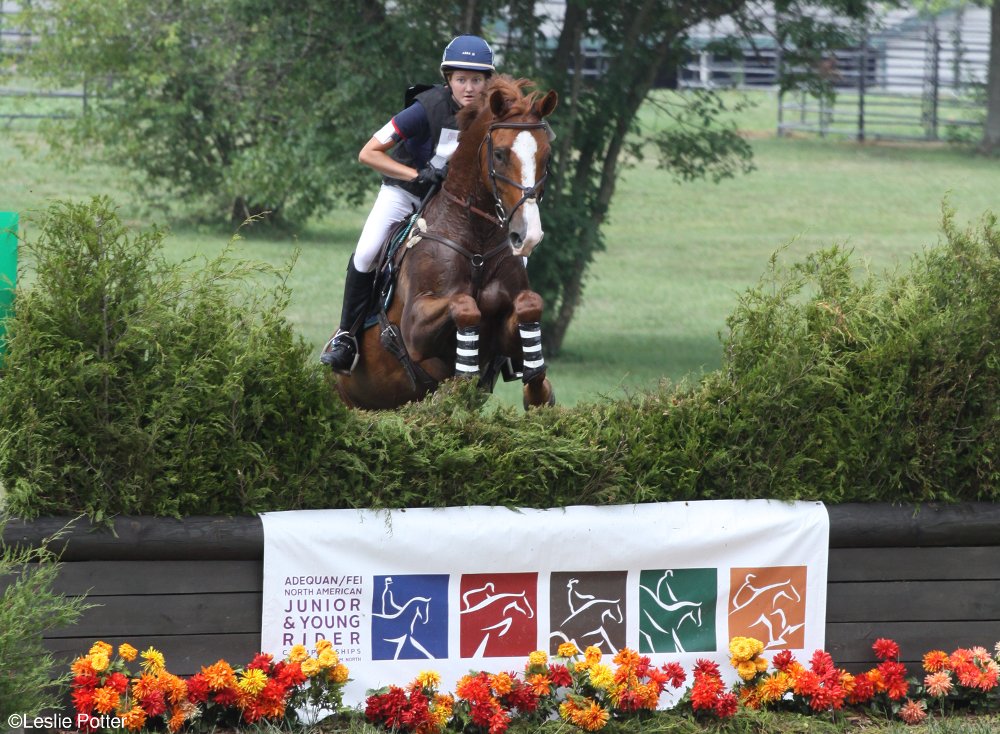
{"x":460,"y":301}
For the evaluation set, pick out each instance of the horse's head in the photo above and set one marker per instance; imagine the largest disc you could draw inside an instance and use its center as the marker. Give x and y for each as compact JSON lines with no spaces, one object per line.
{"x":513,"y":156}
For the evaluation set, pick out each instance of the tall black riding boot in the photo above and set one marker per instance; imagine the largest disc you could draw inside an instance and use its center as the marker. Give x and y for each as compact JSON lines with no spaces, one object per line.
{"x":341,"y":353}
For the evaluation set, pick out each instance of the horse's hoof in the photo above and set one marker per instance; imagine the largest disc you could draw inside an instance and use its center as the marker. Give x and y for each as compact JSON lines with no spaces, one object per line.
{"x":549,"y":402}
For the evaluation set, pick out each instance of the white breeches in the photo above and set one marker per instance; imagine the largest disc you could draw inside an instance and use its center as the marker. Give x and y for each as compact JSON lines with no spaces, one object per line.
{"x":392,"y":205}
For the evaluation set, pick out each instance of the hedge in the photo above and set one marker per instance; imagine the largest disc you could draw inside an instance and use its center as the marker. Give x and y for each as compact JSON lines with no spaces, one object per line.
{"x":134,"y":386}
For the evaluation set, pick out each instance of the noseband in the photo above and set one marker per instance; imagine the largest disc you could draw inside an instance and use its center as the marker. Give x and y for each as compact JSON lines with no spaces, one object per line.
{"x":528,"y":192}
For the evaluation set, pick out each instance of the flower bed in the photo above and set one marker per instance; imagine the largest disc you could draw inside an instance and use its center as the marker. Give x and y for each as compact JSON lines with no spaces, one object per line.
{"x":135,"y":691}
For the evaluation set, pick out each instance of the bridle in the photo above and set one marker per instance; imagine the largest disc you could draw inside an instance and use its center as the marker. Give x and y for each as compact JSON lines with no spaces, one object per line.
{"x":534,"y":191}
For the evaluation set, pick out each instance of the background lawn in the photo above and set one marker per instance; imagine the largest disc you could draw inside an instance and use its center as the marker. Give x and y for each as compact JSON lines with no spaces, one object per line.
{"x":678,"y":255}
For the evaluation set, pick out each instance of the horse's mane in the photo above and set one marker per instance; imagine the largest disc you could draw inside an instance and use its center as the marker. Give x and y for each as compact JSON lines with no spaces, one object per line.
{"x":516,"y":102}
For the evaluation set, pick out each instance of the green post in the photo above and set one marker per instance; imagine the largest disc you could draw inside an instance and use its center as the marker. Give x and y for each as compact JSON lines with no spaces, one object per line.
{"x":8,"y":271}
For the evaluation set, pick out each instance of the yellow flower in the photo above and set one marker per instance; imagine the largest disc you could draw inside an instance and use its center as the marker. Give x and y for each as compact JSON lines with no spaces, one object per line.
{"x":297,"y":654}
{"x":761,"y":664}
{"x":328,"y":658}
{"x":428,"y":679}
{"x":538,"y":657}
{"x":567,"y":650}
{"x":134,"y":719}
{"x":323,"y":645}
{"x":746,"y":669}
{"x":127,"y":652}
{"x":252,"y":681}
{"x":310,"y":667}
{"x":101,"y":647}
{"x":745,"y":648}
{"x":592,"y":654}
{"x":99,"y":661}
{"x":339,"y":673}
{"x":153,"y":661}
{"x":601,"y":676}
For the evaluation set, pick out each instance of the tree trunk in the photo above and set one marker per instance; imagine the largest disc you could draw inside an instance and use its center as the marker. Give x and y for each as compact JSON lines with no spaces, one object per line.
{"x":991,"y":131}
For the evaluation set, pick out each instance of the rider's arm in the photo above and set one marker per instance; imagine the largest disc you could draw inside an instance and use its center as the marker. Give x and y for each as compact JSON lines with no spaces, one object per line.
{"x":375,"y":155}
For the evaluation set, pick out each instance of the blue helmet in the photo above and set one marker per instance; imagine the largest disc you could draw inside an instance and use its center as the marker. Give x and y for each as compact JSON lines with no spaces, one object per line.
{"x":468,"y":52}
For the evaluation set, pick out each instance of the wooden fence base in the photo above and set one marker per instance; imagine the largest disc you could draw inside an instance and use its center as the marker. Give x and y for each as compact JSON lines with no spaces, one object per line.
{"x":926,"y":577}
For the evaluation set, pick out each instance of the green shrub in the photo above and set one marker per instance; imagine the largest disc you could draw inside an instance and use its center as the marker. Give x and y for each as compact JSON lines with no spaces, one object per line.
{"x":137,"y":386}
{"x":28,"y":607}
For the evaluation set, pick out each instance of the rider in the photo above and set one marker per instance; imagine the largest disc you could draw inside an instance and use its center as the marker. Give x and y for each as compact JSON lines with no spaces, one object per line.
{"x":429,"y":134}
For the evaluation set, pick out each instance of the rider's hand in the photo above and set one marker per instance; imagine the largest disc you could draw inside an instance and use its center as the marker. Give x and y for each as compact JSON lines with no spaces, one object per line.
{"x":431,"y":175}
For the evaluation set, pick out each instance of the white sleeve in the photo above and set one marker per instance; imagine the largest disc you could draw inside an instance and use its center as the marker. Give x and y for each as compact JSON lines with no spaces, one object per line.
{"x":385,"y":133}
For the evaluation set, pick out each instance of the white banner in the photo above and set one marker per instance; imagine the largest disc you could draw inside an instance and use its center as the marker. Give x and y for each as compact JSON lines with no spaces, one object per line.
{"x":479,"y":588}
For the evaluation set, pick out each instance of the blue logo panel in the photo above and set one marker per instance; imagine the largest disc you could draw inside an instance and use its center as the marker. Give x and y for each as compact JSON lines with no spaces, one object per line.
{"x":410,"y":617}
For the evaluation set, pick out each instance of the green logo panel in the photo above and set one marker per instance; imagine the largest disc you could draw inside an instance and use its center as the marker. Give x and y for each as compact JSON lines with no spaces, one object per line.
{"x":677,"y":610}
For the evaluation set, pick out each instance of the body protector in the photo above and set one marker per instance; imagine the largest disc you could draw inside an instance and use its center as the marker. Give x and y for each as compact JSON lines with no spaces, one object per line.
{"x":427,"y":134}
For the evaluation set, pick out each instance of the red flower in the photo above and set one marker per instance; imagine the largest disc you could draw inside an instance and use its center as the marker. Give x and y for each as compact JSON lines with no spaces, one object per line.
{"x":86,"y":680}
{"x":675,"y":671}
{"x":864,"y":689}
{"x":783,"y":659}
{"x":197,"y":688}
{"x":885,"y":649}
{"x":226,"y":697}
{"x":83,"y":699}
{"x":117,"y":682}
{"x":703,"y":666}
{"x":821,"y":662}
{"x":290,"y":674}
{"x":560,"y":675}
{"x":153,"y":703}
{"x":725,"y":706}
{"x":262,"y":661}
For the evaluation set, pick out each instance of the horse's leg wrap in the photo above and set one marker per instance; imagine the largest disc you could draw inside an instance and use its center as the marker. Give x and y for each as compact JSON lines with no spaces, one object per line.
{"x":531,"y":349}
{"x":467,"y":352}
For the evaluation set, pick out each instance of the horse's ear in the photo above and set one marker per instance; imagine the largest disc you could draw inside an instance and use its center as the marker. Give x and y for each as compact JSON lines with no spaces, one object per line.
{"x":547,"y":104}
{"x":497,"y":103}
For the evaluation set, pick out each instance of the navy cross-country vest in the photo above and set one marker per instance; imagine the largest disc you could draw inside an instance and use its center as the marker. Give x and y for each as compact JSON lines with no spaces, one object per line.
{"x":439,"y":143}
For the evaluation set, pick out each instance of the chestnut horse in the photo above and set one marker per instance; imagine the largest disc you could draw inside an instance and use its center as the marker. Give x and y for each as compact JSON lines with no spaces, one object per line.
{"x":461,"y":304}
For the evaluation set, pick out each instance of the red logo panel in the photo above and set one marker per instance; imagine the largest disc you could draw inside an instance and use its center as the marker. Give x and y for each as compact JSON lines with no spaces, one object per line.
{"x":498,"y":615}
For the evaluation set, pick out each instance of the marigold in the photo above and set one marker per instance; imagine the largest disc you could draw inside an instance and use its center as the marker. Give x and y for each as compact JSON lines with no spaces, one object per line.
{"x":82,"y":666}
{"x":298,"y":653}
{"x":627,"y":657}
{"x":101,"y":647}
{"x":913,"y":712}
{"x":567,"y":650}
{"x":501,"y":683}
{"x":328,"y":658}
{"x":592,"y":654}
{"x":322,"y":645}
{"x":538,"y":658}
{"x":743,"y":649}
{"x":153,"y":661}
{"x":99,"y":661}
{"x":745,"y":669}
{"x":127,"y":653}
{"x":339,"y":673}
{"x":310,"y":666}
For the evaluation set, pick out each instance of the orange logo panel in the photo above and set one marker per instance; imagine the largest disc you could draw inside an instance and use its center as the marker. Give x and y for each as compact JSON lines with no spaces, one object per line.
{"x":769,"y":604}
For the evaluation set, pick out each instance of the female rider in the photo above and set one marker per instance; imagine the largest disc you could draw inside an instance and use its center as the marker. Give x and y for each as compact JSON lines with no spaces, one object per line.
{"x":429,"y":135}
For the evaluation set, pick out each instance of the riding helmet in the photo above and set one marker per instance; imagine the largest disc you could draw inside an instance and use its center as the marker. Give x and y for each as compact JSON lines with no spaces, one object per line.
{"x":468,"y":52}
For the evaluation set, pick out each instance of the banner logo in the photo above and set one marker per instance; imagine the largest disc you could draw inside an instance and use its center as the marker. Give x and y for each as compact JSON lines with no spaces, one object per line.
{"x":497,"y":615}
{"x":677,"y":610}
{"x":588,"y":609}
{"x":769,"y":604}
{"x":410,"y":617}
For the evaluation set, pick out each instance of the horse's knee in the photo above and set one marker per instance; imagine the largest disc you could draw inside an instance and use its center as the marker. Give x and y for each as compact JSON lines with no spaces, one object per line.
{"x":464,"y":311}
{"x":528,"y":306}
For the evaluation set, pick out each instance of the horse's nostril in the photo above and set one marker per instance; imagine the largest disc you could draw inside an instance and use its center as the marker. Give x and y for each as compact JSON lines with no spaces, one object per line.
{"x":516,"y":240}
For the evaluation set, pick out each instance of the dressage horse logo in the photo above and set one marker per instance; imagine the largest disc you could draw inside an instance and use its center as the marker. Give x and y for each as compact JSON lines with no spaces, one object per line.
{"x":677,"y":610}
{"x":588,"y":609}
{"x":497,"y":615}
{"x":410,"y":617}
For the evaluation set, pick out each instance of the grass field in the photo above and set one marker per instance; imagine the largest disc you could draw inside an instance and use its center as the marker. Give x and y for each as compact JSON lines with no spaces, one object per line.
{"x":678,"y":254}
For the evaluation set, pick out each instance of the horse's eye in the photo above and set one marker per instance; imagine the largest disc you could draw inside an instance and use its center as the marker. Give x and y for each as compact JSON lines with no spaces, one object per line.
{"x":500,"y":155}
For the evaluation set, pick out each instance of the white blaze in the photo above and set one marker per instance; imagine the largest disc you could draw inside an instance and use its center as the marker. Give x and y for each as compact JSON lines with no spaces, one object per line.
{"x":526,"y":223}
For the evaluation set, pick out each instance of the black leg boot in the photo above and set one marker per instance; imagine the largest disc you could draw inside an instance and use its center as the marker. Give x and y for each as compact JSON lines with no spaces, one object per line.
{"x":341,"y":353}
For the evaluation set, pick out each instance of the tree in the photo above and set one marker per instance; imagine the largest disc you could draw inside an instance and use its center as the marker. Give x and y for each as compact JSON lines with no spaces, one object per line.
{"x":263,"y":102}
{"x":991,"y":130}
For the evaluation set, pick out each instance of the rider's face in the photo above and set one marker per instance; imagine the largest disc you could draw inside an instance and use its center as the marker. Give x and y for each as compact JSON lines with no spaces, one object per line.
{"x":466,"y":86}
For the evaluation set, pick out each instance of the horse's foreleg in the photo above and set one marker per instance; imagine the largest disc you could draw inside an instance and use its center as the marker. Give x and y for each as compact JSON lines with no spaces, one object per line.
{"x":466,"y":315}
{"x":429,"y":318}
{"x":528,"y":312}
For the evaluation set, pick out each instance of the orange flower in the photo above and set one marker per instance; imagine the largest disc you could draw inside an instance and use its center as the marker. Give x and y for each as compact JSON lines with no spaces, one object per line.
{"x":592,"y":718}
{"x":339,"y":673}
{"x":82,"y":666}
{"x":297,"y":654}
{"x":134,"y":719}
{"x":913,"y":712}
{"x":540,"y":684}
{"x":106,"y":700}
{"x":501,"y":683}
{"x":935,"y":660}
{"x":219,"y":676}
{"x":102,"y":648}
{"x":144,"y":685}
{"x":127,"y":652}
